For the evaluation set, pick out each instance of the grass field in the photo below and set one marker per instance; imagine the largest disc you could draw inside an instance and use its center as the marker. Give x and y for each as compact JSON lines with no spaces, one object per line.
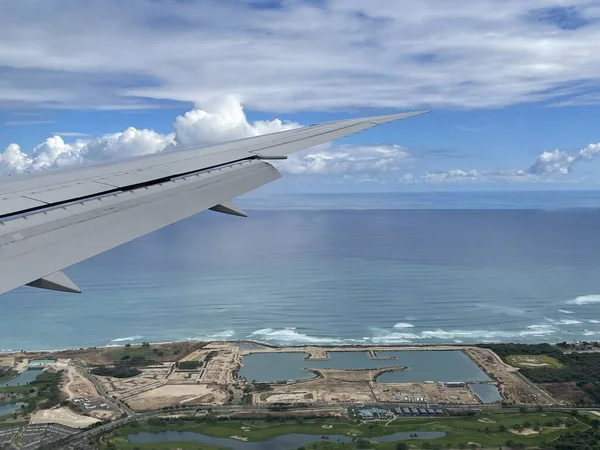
{"x":490,"y":430}
{"x":534,"y":361}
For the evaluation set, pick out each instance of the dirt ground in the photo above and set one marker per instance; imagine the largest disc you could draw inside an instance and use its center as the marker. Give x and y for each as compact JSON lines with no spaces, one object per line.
{"x":564,"y":392}
{"x":151,"y":377}
{"x":431,"y":392}
{"x":165,"y":385}
{"x":511,"y":387}
{"x":63,"y":416}
{"x":76,"y":385}
{"x":174,"y":394}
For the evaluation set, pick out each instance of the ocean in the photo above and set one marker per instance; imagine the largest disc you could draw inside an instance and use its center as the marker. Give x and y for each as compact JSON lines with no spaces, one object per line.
{"x":338,"y":269}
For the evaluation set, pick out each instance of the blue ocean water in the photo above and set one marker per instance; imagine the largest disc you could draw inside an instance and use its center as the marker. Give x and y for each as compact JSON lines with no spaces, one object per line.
{"x":377,"y":268}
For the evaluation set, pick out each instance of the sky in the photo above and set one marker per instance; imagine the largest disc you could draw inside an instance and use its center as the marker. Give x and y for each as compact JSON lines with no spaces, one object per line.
{"x":513,"y":87}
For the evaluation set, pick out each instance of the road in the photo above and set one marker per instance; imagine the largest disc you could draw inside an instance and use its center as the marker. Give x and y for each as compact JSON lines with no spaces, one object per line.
{"x":115,"y":403}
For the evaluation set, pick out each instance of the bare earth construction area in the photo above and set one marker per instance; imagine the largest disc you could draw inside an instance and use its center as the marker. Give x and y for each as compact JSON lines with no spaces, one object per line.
{"x":214,"y":373}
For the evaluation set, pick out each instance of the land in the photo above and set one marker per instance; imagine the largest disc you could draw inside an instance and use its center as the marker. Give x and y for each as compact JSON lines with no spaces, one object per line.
{"x":92,"y":389}
{"x":487,"y":429}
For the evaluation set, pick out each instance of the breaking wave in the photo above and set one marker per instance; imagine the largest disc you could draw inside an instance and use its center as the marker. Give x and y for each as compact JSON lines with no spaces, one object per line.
{"x":396,"y":335}
{"x":565,"y":311}
{"x":569,"y":321}
{"x":585,"y":300}
{"x":221,"y":335}
{"x":290,"y":335}
{"x":128,"y":338}
{"x":594,"y":321}
{"x":403,"y":325}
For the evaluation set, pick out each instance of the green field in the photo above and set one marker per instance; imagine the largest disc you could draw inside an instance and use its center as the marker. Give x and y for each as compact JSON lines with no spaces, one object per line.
{"x":490,"y":430}
{"x":534,"y":361}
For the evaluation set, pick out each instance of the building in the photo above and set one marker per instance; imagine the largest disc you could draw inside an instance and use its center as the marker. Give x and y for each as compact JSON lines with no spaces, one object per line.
{"x":455,"y":384}
{"x":375,"y":413}
{"x":365,"y":414}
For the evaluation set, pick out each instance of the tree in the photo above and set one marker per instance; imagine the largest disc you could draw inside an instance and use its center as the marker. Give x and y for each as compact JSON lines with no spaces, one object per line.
{"x":401,"y":446}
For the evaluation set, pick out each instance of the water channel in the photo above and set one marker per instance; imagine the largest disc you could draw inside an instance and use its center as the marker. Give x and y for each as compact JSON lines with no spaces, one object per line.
{"x":283,"y":442}
{"x":23,"y":378}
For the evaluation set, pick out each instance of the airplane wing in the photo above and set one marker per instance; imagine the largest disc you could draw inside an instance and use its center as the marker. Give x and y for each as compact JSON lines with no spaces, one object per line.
{"x":52,"y":220}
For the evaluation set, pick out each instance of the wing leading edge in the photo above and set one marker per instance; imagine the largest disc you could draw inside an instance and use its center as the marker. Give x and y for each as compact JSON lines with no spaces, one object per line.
{"x":52,"y":220}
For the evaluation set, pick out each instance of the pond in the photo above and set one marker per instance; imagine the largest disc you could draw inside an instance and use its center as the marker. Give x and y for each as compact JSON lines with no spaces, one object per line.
{"x":487,"y":393}
{"x":422,"y":365}
{"x":283,"y":442}
{"x":23,"y":378}
{"x":10,"y":408}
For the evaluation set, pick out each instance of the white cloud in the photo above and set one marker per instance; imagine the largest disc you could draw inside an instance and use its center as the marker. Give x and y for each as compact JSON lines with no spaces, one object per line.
{"x":298,"y":56}
{"x":20,"y":123}
{"x":70,"y":134}
{"x":556,"y":161}
{"x":590,"y":152}
{"x":221,"y":120}
{"x":347,"y":159}
{"x":476,"y":176}
{"x":14,"y":159}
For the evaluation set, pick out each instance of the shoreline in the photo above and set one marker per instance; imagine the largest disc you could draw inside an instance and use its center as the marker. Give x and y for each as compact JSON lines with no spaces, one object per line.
{"x":264,"y":345}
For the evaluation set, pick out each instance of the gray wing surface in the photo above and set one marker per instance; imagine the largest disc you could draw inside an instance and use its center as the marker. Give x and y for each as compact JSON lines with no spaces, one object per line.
{"x":52,"y":220}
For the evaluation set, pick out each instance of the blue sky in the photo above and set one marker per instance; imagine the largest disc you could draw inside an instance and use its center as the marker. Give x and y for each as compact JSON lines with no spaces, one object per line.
{"x":513,"y":90}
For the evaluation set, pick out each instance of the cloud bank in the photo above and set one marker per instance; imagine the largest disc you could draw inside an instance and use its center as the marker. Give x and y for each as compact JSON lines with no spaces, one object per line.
{"x":299,"y":55}
{"x":224,"y":119}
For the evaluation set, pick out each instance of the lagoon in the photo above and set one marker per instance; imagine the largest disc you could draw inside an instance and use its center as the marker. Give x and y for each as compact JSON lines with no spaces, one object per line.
{"x":10,"y":408}
{"x":487,"y":393}
{"x":422,"y":365}
{"x":23,"y":378}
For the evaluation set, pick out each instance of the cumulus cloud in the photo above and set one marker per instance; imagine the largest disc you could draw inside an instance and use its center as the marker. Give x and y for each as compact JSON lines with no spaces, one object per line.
{"x":222,"y":119}
{"x":476,"y":176}
{"x":561,"y":161}
{"x":549,"y":166}
{"x":299,"y":55}
{"x":556,"y":161}
{"x":347,"y":159}
{"x":219,"y":120}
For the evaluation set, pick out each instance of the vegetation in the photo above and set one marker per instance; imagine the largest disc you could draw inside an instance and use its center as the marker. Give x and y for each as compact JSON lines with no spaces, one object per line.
{"x":580,"y":368}
{"x":143,"y":352}
{"x":491,"y":430}
{"x":7,"y":374}
{"x":209,"y":356}
{"x":116,"y":371}
{"x":42,"y":392}
{"x":46,"y":387}
{"x":533,"y":361}
{"x":584,"y":440}
{"x":188,"y":365}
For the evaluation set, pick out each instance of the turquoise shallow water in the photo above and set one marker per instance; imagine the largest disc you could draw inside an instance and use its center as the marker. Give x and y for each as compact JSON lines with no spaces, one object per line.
{"x":430,"y":268}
